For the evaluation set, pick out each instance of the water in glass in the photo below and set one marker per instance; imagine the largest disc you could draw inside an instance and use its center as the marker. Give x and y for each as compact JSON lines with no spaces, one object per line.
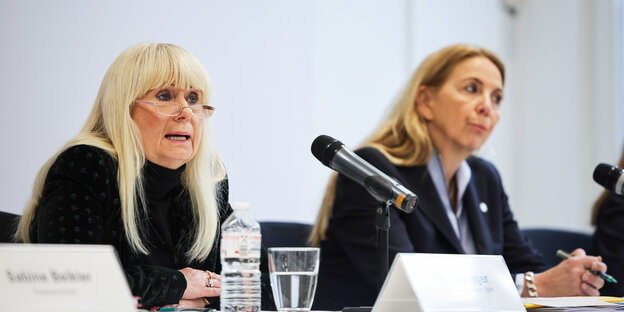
{"x":293,"y":272}
{"x":293,"y":291}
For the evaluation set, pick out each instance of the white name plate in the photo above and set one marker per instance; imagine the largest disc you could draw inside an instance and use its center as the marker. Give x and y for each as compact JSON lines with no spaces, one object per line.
{"x":443,"y":282}
{"x":37,"y":277}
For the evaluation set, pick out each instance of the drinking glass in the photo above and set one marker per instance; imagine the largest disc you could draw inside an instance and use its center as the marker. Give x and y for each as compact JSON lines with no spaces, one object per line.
{"x":293,"y":271}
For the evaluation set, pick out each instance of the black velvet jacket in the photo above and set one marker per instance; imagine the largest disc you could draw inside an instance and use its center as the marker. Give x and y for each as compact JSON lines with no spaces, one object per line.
{"x":80,"y":205}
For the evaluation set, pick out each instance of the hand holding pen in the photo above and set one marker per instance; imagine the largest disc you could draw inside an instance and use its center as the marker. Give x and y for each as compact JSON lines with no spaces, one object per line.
{"x":571,"y":277}
{"x":606,"y":277}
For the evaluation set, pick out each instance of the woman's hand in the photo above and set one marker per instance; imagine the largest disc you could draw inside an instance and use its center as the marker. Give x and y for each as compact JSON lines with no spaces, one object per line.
{"x":201,"y":284}
{"x":570,"y":277}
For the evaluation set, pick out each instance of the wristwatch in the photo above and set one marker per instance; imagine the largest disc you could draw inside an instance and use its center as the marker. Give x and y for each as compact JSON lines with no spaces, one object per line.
{"x":529,"y":277}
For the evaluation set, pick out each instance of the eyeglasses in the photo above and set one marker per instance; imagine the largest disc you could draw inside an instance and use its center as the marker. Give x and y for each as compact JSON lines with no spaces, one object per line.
{"x":174,"y":109}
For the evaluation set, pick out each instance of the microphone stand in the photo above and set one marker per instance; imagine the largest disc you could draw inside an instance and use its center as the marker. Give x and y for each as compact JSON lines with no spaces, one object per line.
{"x":382,"y":223}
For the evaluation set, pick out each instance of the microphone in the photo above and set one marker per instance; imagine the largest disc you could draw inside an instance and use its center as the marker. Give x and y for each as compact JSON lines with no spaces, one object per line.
{"x":610,"y":177}
{"x":333,"y":154}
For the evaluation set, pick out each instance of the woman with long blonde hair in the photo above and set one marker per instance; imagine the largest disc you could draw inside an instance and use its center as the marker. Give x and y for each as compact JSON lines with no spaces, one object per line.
{"x":446,"y":112}
{"x":143,"y":175}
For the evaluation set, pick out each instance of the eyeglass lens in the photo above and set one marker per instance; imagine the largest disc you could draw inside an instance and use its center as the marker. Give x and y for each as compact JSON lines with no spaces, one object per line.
{"x":174,"y":109}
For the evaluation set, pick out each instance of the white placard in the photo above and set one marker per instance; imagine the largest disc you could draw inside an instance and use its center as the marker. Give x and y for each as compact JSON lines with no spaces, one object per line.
{"x":37,"y":277}
{"x":444,"y":282}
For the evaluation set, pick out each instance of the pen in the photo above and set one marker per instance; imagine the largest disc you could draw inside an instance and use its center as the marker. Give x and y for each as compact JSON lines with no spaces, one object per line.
{"x":564,"y":255}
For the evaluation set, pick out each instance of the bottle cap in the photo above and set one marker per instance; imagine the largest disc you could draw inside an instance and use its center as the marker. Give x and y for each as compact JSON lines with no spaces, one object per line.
{"x":240,"y":205}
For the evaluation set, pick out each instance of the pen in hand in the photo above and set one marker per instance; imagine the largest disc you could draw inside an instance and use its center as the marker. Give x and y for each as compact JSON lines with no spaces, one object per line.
{"x":608,"y":278}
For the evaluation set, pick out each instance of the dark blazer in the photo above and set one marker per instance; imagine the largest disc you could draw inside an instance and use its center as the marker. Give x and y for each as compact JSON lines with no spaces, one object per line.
{"x":80,"y":205}
{"x":608,"y":242}
{"x":348,"y":269}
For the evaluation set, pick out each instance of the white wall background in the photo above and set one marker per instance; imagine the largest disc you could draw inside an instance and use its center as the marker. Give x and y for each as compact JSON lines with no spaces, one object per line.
{"x":284,"y":72}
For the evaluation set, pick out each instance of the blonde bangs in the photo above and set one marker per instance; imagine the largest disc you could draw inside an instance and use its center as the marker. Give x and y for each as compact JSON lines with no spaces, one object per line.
{"x":169,"y":65}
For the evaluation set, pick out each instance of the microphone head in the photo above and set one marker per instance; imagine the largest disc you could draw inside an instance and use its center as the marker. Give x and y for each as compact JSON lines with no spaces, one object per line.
{"x":607,"y":175}
{"x":324,"y":148}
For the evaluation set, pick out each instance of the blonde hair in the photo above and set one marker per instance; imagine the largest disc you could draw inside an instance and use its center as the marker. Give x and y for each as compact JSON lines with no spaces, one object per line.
{"x":133,"y":74}
{"x":404,"y":137}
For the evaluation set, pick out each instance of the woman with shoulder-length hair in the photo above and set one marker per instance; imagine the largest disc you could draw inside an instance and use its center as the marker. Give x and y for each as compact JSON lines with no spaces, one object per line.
{"x":446,"y":112}
{"x":143,"y":175}
{"x":608,"y":240}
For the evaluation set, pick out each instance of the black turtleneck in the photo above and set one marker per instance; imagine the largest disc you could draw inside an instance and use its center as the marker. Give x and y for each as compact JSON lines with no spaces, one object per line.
{"x":161,"y":188}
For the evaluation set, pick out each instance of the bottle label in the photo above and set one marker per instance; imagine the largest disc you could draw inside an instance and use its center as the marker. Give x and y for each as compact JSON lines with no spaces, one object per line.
{"x":240,"y":245}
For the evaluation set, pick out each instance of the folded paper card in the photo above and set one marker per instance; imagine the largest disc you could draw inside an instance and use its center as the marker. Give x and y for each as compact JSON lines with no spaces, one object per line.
{"x":64,"y":278}
{"x":443,"y":282}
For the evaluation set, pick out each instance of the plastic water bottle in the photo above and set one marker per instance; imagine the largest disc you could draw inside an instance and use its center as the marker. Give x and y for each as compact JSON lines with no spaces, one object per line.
{"x":240,"y":261}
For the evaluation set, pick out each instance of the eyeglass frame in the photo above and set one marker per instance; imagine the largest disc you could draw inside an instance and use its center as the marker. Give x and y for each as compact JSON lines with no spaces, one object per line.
{"x":211,"y":109}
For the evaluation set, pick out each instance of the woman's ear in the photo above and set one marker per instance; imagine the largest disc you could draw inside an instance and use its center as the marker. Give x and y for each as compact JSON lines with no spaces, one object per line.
{"x":423,"y":102}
